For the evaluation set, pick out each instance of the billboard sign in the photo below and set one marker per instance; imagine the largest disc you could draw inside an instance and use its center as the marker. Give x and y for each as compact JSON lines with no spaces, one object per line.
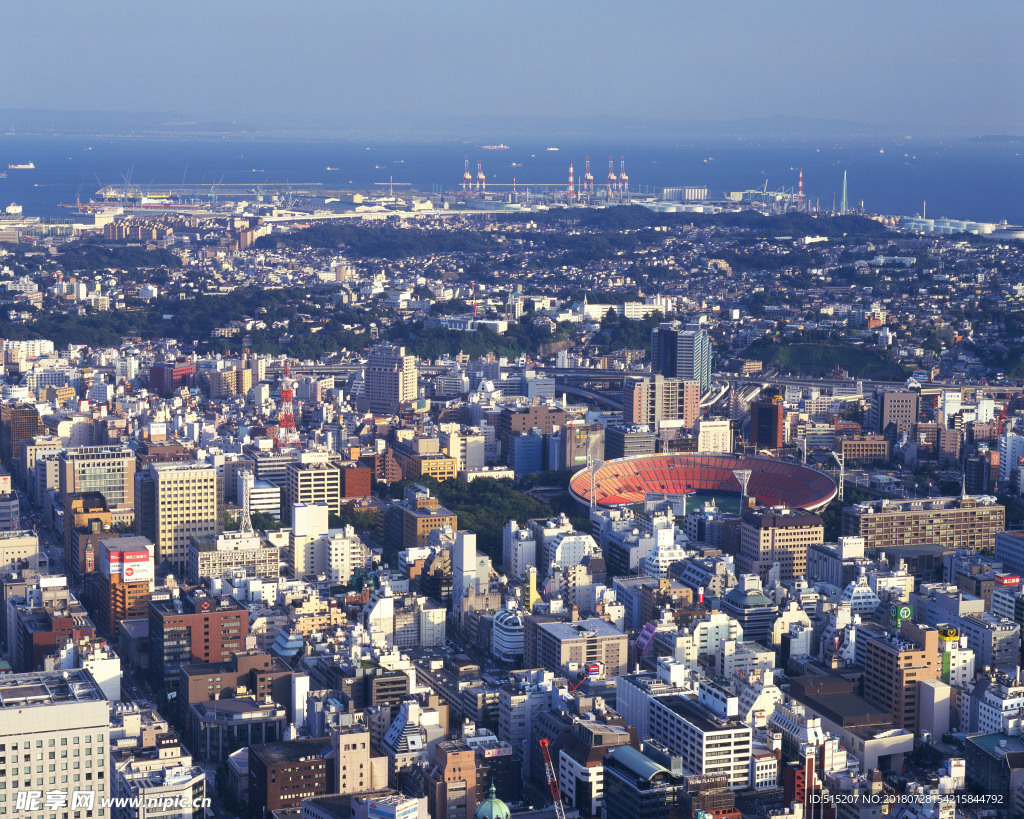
{"x":131,"y":566}
{"x":898,"y":612}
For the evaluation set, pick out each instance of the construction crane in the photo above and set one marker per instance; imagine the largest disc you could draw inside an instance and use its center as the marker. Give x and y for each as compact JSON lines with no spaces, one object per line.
{"x":549,"y":772}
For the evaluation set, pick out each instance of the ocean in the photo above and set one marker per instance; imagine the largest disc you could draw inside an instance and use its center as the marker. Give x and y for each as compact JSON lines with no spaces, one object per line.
{"x":978,"y":180}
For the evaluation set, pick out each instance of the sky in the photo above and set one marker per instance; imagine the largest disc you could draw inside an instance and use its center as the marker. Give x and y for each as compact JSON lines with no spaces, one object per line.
{"x":922,"y":68}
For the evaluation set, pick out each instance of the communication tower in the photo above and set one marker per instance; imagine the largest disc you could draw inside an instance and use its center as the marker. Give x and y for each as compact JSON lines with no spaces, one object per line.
{"x":844,"y":205}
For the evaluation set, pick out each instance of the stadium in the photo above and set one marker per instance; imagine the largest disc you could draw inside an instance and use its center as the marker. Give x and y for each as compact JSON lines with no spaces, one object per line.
{"x":626,"y":481}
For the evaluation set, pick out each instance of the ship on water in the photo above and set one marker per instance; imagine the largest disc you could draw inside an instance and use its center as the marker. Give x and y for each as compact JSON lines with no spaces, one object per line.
{"x":27,"y":166}
{"x":492,"y":147}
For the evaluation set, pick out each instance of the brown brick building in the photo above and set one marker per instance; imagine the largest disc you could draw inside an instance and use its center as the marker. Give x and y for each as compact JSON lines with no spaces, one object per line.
{"x":282,"y":774}
{"x":196,"y":628}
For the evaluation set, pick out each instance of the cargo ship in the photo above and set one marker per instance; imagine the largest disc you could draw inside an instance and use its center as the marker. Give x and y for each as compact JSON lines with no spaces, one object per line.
{"x":27,"y":166}
{"x":492,"y":147}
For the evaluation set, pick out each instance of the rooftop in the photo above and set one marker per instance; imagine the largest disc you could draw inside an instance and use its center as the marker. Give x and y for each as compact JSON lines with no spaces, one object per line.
{"x":592,"y":627}
{"x":48,"y":688}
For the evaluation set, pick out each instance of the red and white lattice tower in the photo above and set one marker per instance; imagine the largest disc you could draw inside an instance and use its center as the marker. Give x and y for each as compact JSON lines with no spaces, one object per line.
{"x":467,"y":177}
{"x":588,"y":180}
{"x":286,"y":418}
{"x":800,"y":188}
{"x":571,"y":188}
{"x":613,"y":180}
{"x":623,"y":179}
{"x":481,"y":180}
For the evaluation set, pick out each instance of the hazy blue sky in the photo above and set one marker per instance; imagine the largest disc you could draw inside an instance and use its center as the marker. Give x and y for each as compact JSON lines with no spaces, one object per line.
{"x":922,"y":67}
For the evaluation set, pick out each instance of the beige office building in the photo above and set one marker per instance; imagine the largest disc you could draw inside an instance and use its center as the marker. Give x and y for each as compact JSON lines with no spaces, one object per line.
{"x":770,"y":535}
{"x":178,"y":502}
{"x":556,"y":645}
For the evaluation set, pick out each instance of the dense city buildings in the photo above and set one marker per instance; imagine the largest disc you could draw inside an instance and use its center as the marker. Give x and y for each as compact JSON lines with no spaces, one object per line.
{"x":388,"y":497}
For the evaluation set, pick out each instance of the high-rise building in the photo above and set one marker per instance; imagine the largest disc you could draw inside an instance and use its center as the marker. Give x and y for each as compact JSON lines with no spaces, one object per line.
{"x":391,"y":379}
{"x":64,"y":713}
{"x":311,"y":481}
{"x":707,"y":733}
{"x":650,"y":400}
{"x":680,"y":351}
{"x":770,"y":535}
{"x":195,"y":628}
{"x":282,"y":774}
{"x":126,"y":569}
{"x":555,"y":645}
{"x":109,"y":470}
{"x":766,"y":415}
{"x":17,"y":423}
{"x":176,"y":502}
{"x":896,"y":665}
{"x":894,"y":412}
{"x":451,"y":781}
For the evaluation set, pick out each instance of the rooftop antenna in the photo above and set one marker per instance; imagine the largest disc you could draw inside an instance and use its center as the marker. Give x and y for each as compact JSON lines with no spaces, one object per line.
{"x":742,"y":477}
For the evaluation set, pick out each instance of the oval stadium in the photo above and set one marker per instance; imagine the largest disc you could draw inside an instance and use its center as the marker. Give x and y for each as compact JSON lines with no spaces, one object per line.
{"x":626,"y":481}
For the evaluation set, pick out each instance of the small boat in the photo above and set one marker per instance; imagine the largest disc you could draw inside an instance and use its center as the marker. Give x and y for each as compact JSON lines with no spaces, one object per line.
{"x":552,"y":149}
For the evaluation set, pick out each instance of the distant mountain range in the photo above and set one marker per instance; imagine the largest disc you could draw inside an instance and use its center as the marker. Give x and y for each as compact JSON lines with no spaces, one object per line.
{"x":418,"y":127}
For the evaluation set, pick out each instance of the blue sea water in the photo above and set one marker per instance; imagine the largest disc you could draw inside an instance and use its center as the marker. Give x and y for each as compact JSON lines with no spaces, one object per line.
{"x":977,"y":180}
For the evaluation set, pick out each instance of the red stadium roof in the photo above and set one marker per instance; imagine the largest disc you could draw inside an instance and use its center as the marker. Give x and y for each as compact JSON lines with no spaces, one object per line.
{"x":773,"y":482}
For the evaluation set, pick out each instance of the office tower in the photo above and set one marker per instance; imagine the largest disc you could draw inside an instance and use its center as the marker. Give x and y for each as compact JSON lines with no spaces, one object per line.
{"x":451,"y":781}
{"x":17,"y":423}
{"x":176,"y":502}
{"x":391,"y":377}
{"x":63,"y":713}
{"x":109,"y":470}
{"x":894,"y":412}
{"x":126,"y":570}
{"x":282,"y":774}
{"x":682,"y":352}
{"x":954,"y":523}
{"x":650,"y":400}
{"x":766,"y":415}
{"x":555,"y":645}
{"x":707,"y":732}
{"x":895,"y":665}
{"x":311,"y":480}
{"x":770,"y":535}
{"x":195,"y":628}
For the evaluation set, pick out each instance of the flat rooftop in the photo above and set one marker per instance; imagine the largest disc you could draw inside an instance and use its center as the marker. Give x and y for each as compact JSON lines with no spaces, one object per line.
{"x":696,"y":714}
{"x":592,"y":627}
{"x":48,"y":688}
